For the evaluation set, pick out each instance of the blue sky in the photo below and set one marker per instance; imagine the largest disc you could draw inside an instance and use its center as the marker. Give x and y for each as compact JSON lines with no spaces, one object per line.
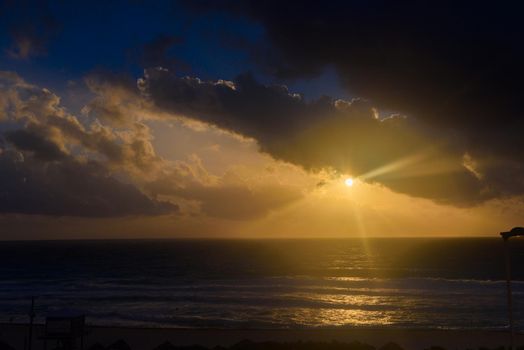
{"x":85,"y":37}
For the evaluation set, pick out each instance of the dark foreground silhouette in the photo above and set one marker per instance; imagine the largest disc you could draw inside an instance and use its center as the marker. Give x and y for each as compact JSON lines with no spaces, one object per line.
{"x":250,"y":345}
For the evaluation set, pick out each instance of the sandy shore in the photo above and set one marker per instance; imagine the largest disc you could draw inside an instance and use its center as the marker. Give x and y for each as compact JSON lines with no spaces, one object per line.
{"x":149,"y":338}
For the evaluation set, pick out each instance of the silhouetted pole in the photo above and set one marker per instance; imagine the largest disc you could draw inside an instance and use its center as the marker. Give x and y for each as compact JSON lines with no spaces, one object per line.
{"x":31,"y":318}
{"x":508,"y":288}
{"x":516,"y":231}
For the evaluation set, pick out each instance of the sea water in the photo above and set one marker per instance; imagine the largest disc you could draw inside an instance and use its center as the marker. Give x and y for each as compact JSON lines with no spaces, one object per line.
{"x":423,"y":283}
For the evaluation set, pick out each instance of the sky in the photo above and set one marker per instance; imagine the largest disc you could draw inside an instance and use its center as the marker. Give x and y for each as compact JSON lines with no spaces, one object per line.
{"x":244,"y":119}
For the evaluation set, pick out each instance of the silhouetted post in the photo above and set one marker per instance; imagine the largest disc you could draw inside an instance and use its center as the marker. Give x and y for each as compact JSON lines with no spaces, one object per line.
{"x":31,"y":318}
{"x":508,"y":288}
{"x":516,"y":231}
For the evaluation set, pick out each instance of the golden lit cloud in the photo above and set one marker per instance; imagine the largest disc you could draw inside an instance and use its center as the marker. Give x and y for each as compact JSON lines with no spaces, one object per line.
{"x":190,"y":177}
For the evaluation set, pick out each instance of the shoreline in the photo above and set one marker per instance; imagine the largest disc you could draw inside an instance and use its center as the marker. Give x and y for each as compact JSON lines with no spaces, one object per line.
{"x":145,"y":338}
{"x":326,"y":328}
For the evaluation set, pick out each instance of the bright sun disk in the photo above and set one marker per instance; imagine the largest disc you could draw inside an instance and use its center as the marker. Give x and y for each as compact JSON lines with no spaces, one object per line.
{"x":349,"y":182}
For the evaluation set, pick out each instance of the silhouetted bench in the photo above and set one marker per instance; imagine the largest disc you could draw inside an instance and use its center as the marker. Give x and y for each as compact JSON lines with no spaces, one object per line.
{"x":65,"y":331}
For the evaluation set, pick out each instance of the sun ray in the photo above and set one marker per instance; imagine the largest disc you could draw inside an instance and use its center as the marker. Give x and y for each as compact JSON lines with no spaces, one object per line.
{"x":429,"y":161}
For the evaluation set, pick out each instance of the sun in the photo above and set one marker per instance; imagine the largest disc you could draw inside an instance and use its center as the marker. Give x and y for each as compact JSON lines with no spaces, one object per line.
{"x":349,"y":182}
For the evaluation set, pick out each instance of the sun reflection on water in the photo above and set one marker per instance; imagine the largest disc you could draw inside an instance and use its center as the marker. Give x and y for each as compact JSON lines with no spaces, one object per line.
{"x":343,"y":317}
{"x":337,"y":310}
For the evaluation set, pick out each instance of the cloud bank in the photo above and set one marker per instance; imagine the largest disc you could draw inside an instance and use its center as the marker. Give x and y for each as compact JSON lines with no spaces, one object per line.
{"x":51,"y":164}
{"x":401,"y":153}
{"x":104,"y":164}
{"x":454,"y":137}
{"x":453,"y":69}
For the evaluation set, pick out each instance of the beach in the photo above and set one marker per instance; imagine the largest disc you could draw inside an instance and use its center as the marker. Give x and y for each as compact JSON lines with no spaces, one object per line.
{"x":149,"y":338}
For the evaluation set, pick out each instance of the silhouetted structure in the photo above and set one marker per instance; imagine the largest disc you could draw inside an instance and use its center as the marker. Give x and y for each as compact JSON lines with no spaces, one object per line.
{"x":516,"y":231}
{"x":65,"y":331}
{"x":31,"y":319}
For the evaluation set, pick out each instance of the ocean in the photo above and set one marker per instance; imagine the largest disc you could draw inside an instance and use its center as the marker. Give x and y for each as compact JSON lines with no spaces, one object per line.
{"x":410,"y":283}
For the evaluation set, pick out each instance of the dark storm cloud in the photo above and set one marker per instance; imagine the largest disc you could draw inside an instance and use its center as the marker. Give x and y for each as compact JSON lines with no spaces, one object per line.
{"x":231,"y":106}
{"x":41,"y":148}
{"x":68,"y":188}
{"x":327,"y":133}
{"x":455,"y":67}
